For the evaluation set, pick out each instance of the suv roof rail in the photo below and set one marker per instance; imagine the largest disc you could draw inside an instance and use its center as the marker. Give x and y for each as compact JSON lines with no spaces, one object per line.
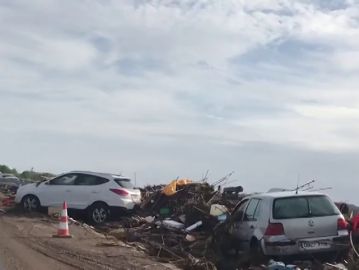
{"x":277,"y":190}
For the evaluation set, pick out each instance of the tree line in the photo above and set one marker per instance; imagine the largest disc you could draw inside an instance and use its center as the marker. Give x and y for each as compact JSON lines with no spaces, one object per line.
{"x":29,"y":175}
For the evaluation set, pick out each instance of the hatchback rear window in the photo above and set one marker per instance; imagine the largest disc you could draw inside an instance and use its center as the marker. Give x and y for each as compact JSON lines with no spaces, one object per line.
{"x":302,"y":207}
{"x":125,"y":183}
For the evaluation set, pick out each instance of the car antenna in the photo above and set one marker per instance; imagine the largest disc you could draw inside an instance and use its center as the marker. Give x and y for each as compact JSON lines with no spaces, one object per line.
{"x":296,"y":190}
{"x":302,"y":186}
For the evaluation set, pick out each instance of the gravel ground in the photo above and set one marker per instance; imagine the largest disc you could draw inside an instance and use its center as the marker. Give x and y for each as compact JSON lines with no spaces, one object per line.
{"x":26,"y":242}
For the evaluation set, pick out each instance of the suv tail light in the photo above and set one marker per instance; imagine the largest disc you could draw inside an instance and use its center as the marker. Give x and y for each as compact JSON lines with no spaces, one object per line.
{"x":342,"y":224}
{"x":120,"y":192}
{"x":274,"y":229}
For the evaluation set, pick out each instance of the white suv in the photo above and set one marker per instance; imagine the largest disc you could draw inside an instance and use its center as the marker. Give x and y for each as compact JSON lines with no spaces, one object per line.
{"x":288,"y":223}
{"x":95,"y":192}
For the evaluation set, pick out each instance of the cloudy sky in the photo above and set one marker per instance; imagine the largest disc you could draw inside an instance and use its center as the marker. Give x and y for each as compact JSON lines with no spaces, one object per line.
{"x":167,"y":88}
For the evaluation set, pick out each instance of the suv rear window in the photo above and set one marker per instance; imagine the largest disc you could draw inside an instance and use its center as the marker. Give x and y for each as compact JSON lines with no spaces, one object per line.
{"x":89,"y":180}
{"x":123,"y":182}
{"x":302,"y":207}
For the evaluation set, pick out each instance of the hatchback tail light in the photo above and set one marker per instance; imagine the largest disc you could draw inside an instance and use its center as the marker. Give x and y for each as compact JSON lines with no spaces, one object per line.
{"x":274,"y":229}
{"x":342,"y":224}
{"x":120,"y":192}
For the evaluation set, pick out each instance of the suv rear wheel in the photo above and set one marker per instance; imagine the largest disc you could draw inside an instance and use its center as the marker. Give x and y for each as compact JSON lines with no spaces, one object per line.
{"x":98,"y":213}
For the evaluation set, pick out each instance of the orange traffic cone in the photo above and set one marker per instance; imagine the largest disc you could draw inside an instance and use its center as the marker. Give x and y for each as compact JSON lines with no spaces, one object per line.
{"x":63,"y":229}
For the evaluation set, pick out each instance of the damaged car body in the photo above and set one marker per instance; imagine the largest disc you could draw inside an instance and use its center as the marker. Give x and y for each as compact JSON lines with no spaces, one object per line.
{"x":288,"y":223}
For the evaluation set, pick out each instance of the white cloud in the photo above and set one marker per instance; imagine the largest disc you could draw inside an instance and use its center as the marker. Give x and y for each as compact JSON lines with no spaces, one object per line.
{"x":328,"y":112}
{"x":346,"y":60}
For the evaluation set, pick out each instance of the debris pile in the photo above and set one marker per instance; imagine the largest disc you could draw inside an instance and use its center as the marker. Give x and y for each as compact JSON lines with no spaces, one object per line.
{"x":184,"y":223}
{"x":176,"y":223}
{"x":170,"y":241}
{"x":191,"y":199}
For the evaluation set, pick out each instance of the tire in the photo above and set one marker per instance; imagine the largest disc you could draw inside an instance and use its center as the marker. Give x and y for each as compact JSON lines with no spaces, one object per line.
{"x":223,"y":241}
{"x":341,"y":255}
{"x":98,"y":213}
{"x":256,"y":252}
{"x":30,"y":203}
{"x":226,"y":245}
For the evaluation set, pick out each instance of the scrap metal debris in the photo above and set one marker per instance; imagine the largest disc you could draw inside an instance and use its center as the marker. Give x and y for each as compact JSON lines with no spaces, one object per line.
{"x":176,"y":223}
{"x":180,"y":222}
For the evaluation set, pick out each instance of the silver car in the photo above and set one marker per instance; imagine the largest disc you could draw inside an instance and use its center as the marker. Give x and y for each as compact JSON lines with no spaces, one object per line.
{"x":287,"y":223}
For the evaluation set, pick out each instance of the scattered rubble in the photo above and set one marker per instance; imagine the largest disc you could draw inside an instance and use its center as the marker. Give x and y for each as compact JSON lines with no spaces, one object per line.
{"x":178,"y":223}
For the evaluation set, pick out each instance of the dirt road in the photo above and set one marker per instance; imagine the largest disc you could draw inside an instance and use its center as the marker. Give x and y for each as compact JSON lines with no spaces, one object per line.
{"x":26,"y":242}
{"x":15,"y":254}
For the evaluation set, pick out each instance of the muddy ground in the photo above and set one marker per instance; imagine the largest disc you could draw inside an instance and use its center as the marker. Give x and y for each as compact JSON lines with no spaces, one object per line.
{"x":26,"y":242}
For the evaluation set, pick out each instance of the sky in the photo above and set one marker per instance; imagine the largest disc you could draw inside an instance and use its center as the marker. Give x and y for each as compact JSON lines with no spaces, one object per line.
{"x":172,"y":88}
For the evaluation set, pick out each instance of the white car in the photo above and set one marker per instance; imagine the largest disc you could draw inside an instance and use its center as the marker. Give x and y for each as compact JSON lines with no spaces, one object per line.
{"x":95,"y":192}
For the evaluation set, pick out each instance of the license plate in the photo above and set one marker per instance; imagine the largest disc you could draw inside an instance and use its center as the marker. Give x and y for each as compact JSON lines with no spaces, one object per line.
{"x":313,"y":245}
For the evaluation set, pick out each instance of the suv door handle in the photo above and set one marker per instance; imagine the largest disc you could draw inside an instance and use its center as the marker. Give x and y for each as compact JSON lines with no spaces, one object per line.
{"x":94,"y":192}
{"x":251,"y":227}
{"x":68,"y":190}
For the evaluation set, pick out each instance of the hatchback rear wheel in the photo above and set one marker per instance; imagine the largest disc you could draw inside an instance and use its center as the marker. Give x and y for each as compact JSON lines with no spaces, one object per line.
{"x":98,"y":213}
{"x":256,"y":252}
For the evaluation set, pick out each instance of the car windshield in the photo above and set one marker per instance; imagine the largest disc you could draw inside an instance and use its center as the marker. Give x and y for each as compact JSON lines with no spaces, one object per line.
{"x":305,"y":206}
{"x":125,"y":183}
